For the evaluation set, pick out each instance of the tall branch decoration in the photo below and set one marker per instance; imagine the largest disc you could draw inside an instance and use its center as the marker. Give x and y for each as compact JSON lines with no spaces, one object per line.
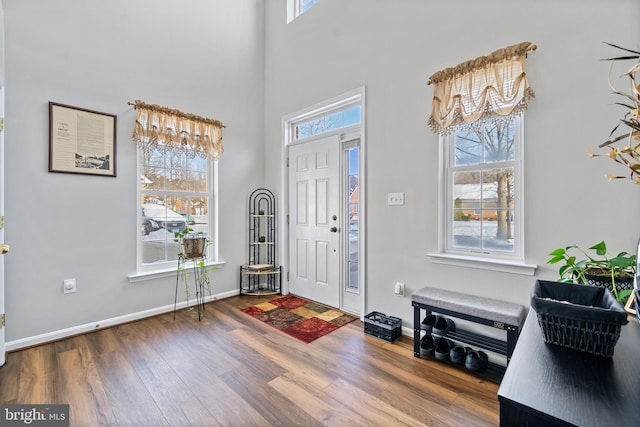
{"x":628,"y":154}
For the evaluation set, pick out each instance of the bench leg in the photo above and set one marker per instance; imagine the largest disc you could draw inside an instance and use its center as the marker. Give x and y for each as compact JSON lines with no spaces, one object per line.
{"x":512,"y":338}
{"x":416,"y":330}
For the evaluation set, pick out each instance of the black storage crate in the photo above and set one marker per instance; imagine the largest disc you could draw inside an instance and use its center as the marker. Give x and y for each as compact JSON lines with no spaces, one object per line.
{"x":381,"y":326}
{"x":582,"y":317}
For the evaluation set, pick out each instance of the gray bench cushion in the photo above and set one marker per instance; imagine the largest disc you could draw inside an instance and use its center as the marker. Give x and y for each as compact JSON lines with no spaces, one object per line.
{"x":486,"y":308}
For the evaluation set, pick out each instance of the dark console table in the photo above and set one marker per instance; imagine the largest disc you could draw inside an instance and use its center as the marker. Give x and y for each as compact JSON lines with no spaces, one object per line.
{"x":548,"y":385}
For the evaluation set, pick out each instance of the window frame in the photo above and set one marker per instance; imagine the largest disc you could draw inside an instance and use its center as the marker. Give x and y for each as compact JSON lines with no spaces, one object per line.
{"x":447,"y":250}
{"x":294,"y":9}
{"x":160,"y":269}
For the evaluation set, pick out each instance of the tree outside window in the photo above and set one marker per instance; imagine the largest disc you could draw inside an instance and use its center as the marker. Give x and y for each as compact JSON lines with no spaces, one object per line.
{"x":173,"y":195}
{"x":483,"y":194}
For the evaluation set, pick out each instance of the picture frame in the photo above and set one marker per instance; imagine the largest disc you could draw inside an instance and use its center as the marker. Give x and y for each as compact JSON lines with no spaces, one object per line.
{"x":81,"y":141}
{"x":629,"y":307}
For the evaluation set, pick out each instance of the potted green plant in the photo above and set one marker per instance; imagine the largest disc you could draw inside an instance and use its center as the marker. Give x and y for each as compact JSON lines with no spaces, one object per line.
{"x":598,"y":268}
{"x":193,"y":244}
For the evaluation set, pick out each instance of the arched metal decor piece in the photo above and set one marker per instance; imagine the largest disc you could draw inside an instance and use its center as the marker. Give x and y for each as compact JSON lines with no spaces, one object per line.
{"x":262,"y":274}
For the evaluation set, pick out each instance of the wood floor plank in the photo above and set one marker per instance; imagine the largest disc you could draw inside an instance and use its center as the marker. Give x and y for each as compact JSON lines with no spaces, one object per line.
{"x":405,"y":350}
{"x":82,"y":389}
{"x":104,"y":340}
{"x":193,"y":343}
{"x":410,"y":393}
{"x":317,"y":403}
{"x":130,"y":401}
{"x":38,"y":373}
{"x":208,"y":387}
{"x":231,"y":369}
{"x":176,"y":400}
{"x":317,"y":377}
{"x":240,"y":349}
{"x":10,"y":377}
{"x":229,"y":316}
{"x":447,"y":377}
{"x":197,"y":360}
{"x":369,"y":407}
{"x":429,"y":408}
{"x":274,"y":407}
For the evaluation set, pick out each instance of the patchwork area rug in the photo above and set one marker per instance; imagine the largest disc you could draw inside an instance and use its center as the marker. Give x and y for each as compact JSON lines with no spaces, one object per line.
{"x":302,"y":319}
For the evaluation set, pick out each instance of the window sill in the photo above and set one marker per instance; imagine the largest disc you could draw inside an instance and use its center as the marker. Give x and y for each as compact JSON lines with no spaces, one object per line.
{"x":164,"y":272}
{"x":483,"y":263}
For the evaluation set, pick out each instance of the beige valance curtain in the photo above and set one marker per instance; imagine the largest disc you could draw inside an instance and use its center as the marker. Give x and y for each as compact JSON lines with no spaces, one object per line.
{"x":485,"y":87}
{"x":157,"y":125}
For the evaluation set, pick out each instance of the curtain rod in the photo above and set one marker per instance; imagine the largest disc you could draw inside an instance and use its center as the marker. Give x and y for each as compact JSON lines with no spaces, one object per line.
{"x":165,"y":110}
{"x":482,"y":61}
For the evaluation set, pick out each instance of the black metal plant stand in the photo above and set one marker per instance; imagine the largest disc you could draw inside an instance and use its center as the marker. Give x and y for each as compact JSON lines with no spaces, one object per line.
{"x":262,"y":274}
{"x":201,"y":281}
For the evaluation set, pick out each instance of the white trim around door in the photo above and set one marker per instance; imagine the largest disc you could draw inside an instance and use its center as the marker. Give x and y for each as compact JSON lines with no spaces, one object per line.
{"x":346,"y":134}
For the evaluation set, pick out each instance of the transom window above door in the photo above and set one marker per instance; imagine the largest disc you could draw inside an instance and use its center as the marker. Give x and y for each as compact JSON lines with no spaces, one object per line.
{"x":296,"y":8}
{"x":326,"y":123}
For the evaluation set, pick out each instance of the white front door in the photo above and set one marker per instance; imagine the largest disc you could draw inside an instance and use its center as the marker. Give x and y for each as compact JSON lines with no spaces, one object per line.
{"x":314,"y":218}
{"x":2,"y":350}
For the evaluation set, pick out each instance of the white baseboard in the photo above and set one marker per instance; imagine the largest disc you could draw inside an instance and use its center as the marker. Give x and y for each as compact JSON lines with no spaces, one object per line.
{"x":407,"y":331}
{"x":105,"y":323}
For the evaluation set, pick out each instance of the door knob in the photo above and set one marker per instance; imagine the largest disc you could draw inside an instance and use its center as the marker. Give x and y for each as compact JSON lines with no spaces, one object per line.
{"x":4,"y":248}
{"x":334,"y":229}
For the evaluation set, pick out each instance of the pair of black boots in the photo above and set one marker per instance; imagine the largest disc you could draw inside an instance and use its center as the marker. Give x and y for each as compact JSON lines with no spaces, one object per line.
{"x":446,"y":350}
{"x":438,"y":325}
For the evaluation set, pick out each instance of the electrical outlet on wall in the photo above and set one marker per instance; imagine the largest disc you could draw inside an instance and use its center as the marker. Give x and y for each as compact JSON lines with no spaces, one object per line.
{"x":69,"y":286}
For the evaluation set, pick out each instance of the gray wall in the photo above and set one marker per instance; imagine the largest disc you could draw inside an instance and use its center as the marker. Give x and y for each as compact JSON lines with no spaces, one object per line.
{"x":200,"y":56}
{"x":214,"y":58}
{"x":392,"y":47}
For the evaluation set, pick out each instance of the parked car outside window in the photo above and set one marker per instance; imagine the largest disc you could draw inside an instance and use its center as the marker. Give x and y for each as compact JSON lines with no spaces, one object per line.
{"x":164,"y":217}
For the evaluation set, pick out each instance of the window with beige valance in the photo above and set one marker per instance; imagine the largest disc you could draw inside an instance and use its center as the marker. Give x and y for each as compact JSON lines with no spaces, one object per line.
{"x":156,"y":125}
{"x":486,"y":87}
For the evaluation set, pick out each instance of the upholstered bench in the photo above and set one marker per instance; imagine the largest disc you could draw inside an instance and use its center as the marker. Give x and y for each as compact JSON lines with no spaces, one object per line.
{"x":497,"y":314}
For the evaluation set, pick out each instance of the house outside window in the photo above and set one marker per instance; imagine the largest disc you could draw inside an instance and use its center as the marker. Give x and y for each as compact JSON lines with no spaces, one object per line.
{"x":477,"y":111}
{"x":175,"y":188}
{"x":177,"y":166}
{"x":483,"y":189}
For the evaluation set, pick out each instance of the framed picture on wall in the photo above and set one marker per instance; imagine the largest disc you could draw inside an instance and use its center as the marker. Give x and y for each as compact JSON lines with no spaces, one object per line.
{"x":81,"y":141}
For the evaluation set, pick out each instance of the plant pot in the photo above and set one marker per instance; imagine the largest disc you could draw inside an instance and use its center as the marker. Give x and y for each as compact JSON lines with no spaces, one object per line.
{"x":622,"y":283}
{"x":193,"y":247}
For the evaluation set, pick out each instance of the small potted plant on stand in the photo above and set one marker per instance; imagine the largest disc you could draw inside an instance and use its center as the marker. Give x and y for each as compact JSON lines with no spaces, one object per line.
{"x":600,"y":269}
{"x":193,"y":244}
{"x":193,"y":249}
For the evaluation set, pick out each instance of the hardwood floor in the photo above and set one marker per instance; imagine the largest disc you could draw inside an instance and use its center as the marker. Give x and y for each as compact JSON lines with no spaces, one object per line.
{"x":232,"y":370}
